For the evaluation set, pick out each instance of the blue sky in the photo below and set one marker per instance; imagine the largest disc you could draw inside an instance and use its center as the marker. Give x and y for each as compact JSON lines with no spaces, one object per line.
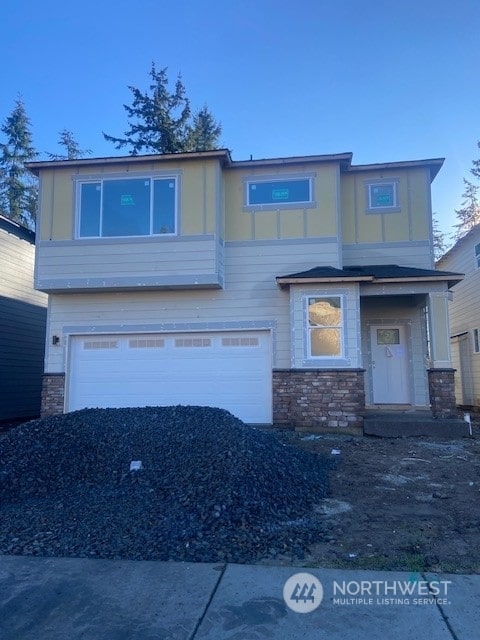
{"x":385,"y":80}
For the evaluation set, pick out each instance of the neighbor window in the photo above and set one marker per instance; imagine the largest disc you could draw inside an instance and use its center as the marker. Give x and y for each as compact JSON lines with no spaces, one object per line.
{"x":382,"y":196}
{"x":278,"y":193}
{"x":477,"y":255}
{"x":476,"y":341}
{"x":325,"y":327}
{"x":127,"y":207}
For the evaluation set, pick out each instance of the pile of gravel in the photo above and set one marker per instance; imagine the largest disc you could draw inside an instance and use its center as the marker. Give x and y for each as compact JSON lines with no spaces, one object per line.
{"x":210,"y":488}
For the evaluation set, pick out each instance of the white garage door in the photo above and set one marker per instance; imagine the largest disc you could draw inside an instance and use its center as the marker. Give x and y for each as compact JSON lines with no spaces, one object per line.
{"x":228,"y":370}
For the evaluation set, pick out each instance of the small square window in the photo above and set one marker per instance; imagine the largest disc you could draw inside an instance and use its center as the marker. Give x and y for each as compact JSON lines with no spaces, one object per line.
{"x":382,"y":197}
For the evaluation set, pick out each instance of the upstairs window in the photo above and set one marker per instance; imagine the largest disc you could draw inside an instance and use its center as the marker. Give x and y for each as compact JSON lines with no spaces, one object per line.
{"x":476,"y":341}
{"x":279,"y":193}
{"x":382,"y":197}
{"x":477,"y":255}
{"x":127,"y":207}
{"x":325,"y":327}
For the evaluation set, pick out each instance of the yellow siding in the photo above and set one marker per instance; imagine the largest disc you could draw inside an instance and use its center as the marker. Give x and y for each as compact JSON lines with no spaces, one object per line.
{"x":265,"y":224}
{"x":63,"y":222}
{"x":326,"y":197}
{"x":348,"y":209}
{"x":291,"y":224}
{"x":317,"y":222}
{"x":410,"y":223}
{"x":419,"y":184}
{"x":46,"y":204}
{"x":198,"y":196}
{"x":192,"y":200}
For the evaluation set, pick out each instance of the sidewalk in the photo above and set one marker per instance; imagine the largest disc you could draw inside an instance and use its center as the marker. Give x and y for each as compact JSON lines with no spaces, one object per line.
{"x":67,"y":598}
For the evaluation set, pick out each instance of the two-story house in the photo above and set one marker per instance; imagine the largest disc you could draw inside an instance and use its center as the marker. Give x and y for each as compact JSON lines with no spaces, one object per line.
{"x":289,"y":290}
{"x":23,"y":316}
{"x":464,"y":308}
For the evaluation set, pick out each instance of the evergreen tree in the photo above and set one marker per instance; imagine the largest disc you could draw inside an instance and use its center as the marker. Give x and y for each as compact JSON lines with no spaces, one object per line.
{"x":469,"y":214}
{"x":72,"y":149}
{"x":161,"y":120}
{"x":18,"y":188}
{"x":439,"y":244}
{"x":204,"y":133}
{"x":475,"y":170}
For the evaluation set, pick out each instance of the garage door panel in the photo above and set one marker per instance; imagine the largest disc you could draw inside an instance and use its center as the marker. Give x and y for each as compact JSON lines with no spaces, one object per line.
{"x":226,"y":370}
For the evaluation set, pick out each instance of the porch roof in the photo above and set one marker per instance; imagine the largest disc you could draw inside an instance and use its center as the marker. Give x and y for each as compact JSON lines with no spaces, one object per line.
{"x":375,"y":274}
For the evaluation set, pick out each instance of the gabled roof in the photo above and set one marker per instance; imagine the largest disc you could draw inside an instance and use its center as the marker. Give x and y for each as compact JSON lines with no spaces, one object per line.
{"x":374,"y":274}
{"x":217,"y":154}
{"x":459,"y":243}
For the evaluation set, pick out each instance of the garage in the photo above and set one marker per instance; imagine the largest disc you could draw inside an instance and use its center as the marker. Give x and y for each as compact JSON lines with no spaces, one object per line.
{"x":230,"y":370}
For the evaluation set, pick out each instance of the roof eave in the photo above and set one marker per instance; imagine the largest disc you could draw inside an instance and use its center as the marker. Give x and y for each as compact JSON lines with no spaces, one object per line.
{"x":217,"y":154}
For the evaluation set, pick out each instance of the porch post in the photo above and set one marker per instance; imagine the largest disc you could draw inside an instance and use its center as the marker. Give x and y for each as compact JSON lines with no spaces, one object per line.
{"x":440,"y":374}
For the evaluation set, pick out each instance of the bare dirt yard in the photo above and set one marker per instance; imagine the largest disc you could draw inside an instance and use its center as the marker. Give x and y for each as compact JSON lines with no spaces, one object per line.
{"x":408,"y":504}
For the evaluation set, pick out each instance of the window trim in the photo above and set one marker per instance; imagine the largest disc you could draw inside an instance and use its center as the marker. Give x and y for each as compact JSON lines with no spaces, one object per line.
{"x":382,"y":182}
{"x":477,"y":254}
{"x":275,"y":206}
{"x":81,"y":179}
{"x":308,"y":329}
{"x":476,"y":340}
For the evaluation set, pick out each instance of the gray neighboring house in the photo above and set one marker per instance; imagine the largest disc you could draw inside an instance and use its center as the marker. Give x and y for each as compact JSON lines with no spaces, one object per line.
{"x":464,"y":312}
{"x":23,"y":316}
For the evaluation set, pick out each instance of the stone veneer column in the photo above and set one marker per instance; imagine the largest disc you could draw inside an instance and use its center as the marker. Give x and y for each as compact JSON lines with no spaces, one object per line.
{"x":53,"y":394}
{"x":319,"y":399}
{"x":441,"y":387}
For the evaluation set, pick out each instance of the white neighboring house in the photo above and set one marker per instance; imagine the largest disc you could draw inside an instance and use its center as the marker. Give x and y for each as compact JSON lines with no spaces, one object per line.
{"x":464,"y":312}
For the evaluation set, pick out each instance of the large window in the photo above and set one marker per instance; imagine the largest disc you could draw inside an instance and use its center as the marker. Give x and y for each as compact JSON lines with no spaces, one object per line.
{"x":277,"y":193}
{"x":382,"y":197}
{"x":325,"y":327}
{"x":127,"y":207}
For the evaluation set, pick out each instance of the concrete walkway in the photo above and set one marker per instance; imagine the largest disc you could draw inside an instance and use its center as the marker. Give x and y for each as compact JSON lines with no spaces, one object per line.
{"x":67,"y":598}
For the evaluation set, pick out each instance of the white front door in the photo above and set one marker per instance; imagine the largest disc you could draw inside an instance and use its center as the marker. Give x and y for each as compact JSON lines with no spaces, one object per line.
{"x":389,"y":362}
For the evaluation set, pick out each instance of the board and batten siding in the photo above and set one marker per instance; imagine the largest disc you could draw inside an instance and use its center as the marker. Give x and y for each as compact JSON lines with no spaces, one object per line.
{"x":251,"y":300}
{"x":400,"y":237}
{"x":22,"y":325}
{"x":464,"y":309}
{"x":65,"y":262}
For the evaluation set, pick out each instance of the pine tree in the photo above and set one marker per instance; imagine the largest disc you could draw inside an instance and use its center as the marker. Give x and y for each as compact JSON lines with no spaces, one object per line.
{"x":475,"y":170}
{"x":469,"y":214}
{"x":439,"y":243}
{"x":18,"y":188}
{"x":72,"y":149}
{"x":161,"y":120}
{"x":204,"y":133}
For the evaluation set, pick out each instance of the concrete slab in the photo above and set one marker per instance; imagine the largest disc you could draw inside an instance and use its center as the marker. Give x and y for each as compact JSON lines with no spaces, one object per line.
{"x":402,"y":424}
{"x":58,"y":598}
{"x":249,"y":605}
{"x":462,"y":611}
